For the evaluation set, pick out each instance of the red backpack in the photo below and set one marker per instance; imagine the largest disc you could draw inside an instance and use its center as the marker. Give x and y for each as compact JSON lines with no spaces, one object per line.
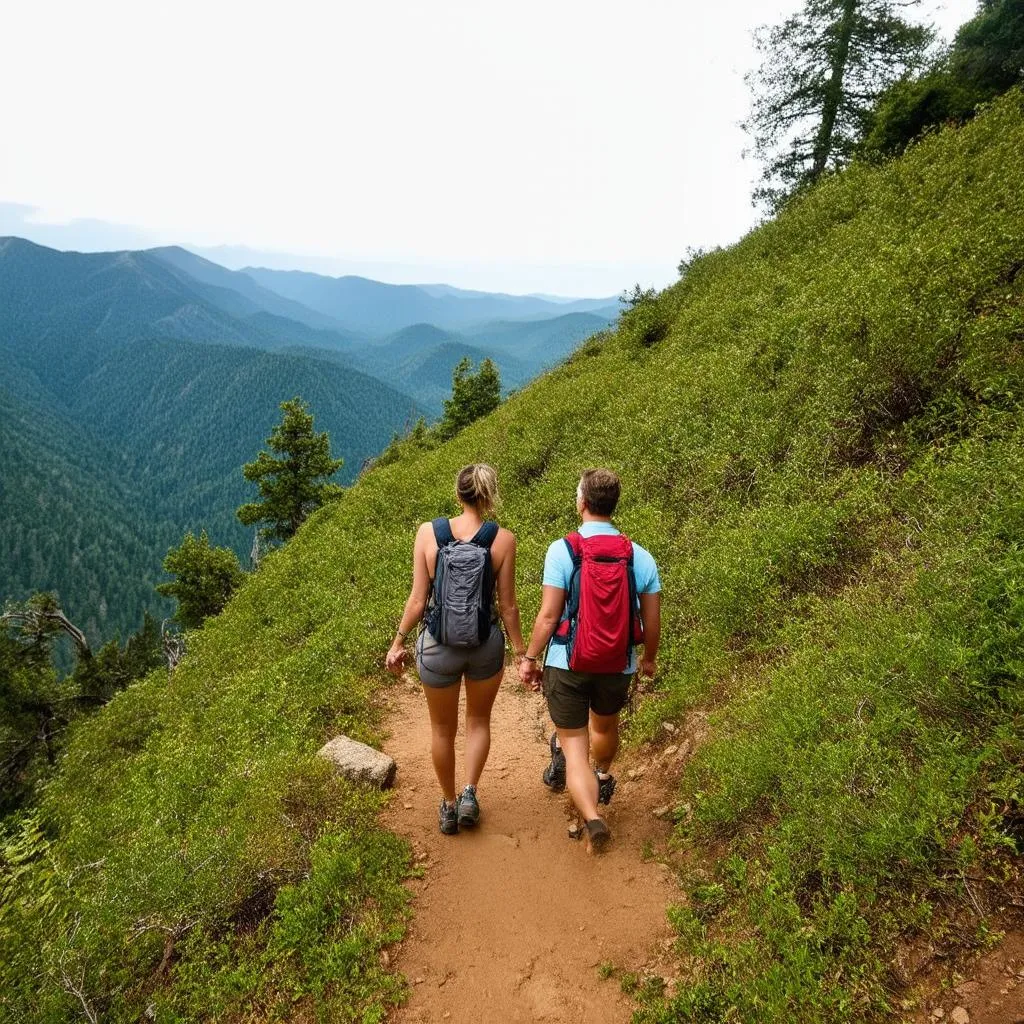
{"x":601,"y":623}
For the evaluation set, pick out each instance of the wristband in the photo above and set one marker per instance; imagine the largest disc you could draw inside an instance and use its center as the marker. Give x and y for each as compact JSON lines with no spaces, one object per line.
{"x":529,"y":657}
{"x":404,"y":636}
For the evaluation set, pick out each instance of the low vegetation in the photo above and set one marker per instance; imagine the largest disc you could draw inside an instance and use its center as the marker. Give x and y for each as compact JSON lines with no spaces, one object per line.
{"x":820,"y":436}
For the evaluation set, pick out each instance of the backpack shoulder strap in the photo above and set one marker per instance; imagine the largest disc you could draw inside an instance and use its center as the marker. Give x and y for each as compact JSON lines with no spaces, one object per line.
{"x":443,"y":532}
{"x":574,"y":542}
{"x":484,"y":537}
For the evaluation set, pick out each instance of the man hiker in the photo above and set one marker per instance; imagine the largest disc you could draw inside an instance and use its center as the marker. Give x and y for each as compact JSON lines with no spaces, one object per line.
{"x":602,"y":598}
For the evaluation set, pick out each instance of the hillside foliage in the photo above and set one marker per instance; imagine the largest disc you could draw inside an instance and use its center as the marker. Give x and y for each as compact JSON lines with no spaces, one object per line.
{"x":819,"y":432}
{"x":985,"y":60}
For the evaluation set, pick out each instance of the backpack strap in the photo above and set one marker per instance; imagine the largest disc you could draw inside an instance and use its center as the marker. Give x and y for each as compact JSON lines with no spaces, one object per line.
{"x":484,"y":537}
{"x":563,"y":632}
{"x":574,"y":542}
{"x":443,"y":532}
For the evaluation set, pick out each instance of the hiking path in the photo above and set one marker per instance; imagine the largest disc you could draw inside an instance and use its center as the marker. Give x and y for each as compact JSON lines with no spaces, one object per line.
{"x":514,"y":920}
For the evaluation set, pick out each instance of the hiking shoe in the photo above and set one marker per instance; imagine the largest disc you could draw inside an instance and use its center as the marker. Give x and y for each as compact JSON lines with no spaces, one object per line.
{"x":554,"y":774}
{"x":598,"y":833}
{"x":469,"y":809}
{"x":448,"y":817}
{"x":605,"y":788}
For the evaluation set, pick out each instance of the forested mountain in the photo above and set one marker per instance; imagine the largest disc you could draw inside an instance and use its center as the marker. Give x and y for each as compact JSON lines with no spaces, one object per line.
{"x":118,"y":434}
{"x":208,"y":409}
{"x":142,"y":381}
{"x":419,"y":359}
{"x":70,"y":521}
{"x":229,"y":285}
{"x":378,"y":309}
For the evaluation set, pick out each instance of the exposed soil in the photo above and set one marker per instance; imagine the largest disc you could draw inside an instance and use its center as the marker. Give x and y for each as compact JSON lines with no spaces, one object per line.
{"x":512,"y":921}
{"x":993,"y":992}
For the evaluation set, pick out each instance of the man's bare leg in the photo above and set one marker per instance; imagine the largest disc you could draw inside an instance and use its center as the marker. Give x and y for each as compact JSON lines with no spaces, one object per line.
{"x":604,"y":739}
{"x":579,"y":777}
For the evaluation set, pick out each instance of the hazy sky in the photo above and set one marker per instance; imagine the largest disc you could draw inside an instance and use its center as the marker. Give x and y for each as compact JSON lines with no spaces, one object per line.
{"x":560,"y":146}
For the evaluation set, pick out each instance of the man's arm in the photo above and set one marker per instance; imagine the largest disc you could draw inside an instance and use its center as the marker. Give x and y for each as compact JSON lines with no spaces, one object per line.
{"x":650,"y":612}
{"x":552,"y":604}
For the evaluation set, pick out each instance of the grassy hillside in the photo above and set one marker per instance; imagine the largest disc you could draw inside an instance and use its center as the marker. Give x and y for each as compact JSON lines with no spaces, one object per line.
{"x":820,"y":436}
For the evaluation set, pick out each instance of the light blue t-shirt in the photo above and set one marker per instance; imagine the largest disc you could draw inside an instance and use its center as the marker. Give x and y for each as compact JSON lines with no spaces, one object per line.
{"x":558,"y":569}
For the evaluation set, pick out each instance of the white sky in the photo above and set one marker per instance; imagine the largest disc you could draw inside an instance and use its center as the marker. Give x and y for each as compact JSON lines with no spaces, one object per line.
{"x":570,"y":146}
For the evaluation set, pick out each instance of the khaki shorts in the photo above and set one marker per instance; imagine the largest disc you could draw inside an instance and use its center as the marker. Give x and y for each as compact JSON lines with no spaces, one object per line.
{"x":571,"y":696}
{"x":444,"y":666}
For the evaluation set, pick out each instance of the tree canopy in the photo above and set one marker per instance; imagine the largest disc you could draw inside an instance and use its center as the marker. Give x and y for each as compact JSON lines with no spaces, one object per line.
{"x":985,"y":60}
{"x":473,"y":395}
{"x":293,"y":481}
{"x":821,"y":73}
{"x":206,"y":578}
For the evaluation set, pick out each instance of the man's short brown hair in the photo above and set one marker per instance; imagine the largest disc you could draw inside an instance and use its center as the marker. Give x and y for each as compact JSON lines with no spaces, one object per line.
{"x":600,"y":490}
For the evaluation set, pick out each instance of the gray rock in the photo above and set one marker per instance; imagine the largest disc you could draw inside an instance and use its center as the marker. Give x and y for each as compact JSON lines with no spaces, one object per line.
{"x":358,"y":762}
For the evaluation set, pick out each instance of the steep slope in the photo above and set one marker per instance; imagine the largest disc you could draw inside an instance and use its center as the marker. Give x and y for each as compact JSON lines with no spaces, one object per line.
{"x":186,"y":417}
{"x":821,"y":440}
{"x":71,"y":523}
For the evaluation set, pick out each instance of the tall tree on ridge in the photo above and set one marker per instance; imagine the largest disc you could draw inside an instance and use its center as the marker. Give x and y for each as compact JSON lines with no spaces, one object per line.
{"x":821,"y":72}
{"x":293,"y":481}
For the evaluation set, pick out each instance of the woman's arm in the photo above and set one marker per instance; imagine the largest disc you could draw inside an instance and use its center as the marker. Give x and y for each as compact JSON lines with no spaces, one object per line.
{"x":416,"y":602}
{"x":508,"y":607}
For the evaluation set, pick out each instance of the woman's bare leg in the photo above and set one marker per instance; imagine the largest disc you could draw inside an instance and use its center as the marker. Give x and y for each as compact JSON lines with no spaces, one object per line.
{"x":480,"y":694}
{"x":443,"y":704}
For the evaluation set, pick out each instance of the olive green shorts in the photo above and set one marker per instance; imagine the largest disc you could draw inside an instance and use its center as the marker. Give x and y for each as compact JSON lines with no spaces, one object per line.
{"x":571,"y":696}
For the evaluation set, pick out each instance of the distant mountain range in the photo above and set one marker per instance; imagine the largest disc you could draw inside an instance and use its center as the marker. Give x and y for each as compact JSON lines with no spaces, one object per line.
{"x":135,"y":384}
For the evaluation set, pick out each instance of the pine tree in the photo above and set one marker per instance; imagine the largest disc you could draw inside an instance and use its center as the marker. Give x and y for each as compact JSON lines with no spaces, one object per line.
{"x":821,"y":73}
{"x":206,"y":578}
{"x":473,"y":395}
{"x":293,"y":482}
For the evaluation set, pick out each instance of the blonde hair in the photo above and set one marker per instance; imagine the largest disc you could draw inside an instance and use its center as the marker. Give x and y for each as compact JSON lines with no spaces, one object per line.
{"x":477,"y":485}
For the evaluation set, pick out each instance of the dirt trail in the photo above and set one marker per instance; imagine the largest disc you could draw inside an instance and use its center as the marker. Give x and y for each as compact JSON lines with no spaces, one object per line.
{"x":511,"y":921}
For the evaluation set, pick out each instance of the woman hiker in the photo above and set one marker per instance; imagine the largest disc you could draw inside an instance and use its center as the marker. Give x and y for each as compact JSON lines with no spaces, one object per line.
{"x":459,"y":566}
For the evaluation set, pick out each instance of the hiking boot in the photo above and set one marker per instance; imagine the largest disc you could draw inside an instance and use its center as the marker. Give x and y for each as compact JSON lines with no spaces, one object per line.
{"x":448,"y":817}
{"x":598,"y":834}
{"x":469,"y":809}
{"x":554,"y":774}
{"x":605,"y":788}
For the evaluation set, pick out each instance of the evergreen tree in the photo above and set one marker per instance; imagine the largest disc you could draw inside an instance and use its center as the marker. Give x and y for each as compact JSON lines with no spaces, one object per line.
{"x":473,"y":395}
{"x":821,"y":73}
{"x":206,"y":578}
{"x":293,"y":482}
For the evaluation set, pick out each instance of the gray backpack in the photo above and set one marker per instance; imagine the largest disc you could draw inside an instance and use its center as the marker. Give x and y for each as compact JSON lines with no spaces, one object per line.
{"x":459,"y":613}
